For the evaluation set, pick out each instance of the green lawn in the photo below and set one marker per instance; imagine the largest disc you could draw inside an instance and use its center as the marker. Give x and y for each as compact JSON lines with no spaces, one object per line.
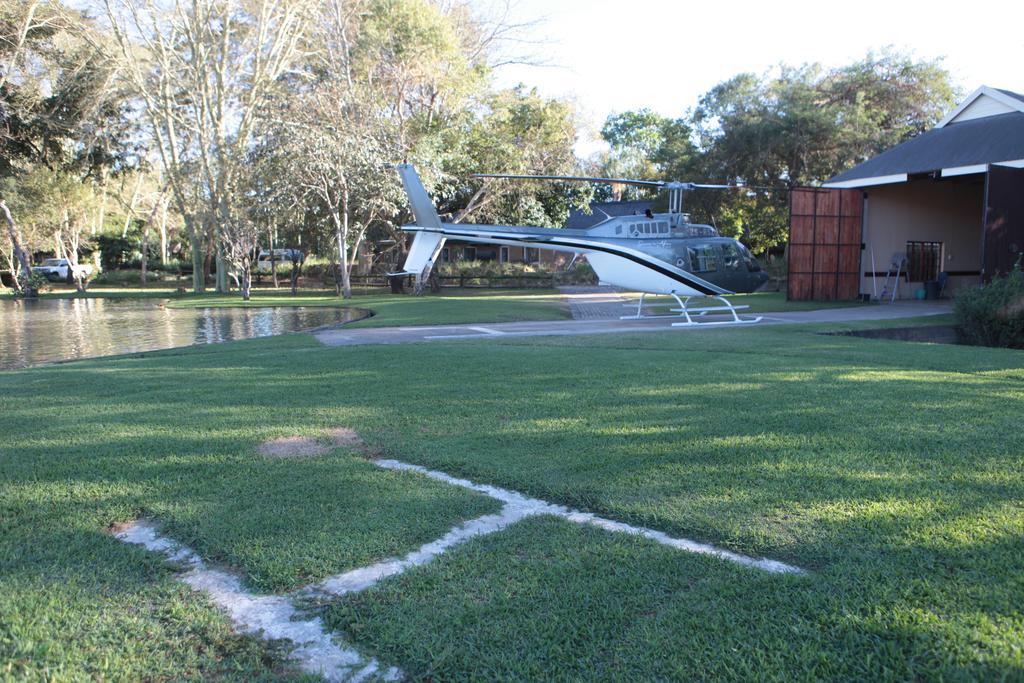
{"x":447,"y":308}
{"x":893,"y":472}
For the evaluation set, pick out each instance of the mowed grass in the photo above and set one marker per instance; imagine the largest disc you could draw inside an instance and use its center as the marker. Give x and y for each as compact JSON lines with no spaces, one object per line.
{"x":891,"y":471}
{"x":89,"y":445}
{"x":453,"y":307}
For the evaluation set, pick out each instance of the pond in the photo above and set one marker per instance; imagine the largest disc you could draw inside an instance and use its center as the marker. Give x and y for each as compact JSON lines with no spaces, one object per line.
{"x":50,"y":330}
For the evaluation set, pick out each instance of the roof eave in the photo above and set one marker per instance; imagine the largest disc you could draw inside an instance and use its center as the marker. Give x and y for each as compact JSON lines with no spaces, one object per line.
{"x":866,"y":182}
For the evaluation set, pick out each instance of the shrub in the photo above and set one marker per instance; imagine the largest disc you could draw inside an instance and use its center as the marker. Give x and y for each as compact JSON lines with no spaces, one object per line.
{"x":478,"y":272}
{"x":129,"y":276}
{"x":992,"y":314}
{"x":115,"y":251}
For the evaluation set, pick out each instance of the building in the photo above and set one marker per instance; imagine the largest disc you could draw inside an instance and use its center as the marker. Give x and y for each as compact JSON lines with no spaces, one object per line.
{"x":950,"y":200}
{"x":578,"y":220}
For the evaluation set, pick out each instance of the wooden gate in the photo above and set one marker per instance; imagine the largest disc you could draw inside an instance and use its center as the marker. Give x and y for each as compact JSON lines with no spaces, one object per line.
{"x":825,"y":229}
{"x":1004,"y":220}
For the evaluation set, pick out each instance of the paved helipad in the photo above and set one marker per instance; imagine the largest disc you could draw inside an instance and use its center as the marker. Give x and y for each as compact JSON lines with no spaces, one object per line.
{"x":348,"y":336}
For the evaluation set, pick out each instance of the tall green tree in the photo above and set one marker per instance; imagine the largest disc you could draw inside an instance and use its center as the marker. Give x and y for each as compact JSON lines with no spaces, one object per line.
{"x":61,"y":117}
{"x":516,"y":131}
{"x":793,"y":126}
{"x":203,"y":72}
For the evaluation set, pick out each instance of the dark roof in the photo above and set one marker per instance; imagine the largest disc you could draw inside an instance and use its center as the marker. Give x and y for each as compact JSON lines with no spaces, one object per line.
{"x":966,"y":143}
{"x":579,"y":220}
{"x":1014,"y":95}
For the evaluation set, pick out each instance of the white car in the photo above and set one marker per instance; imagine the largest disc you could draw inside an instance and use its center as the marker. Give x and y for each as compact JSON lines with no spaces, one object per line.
{"x":60,"y":269}
{"x":281,"y":256}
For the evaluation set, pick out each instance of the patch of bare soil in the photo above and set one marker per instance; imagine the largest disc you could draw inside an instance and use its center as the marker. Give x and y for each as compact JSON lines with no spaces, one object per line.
{"x":309,"y":447}
{"x":343,"y":436}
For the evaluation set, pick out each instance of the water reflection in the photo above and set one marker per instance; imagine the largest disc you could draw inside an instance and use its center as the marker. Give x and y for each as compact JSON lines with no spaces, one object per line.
{"x":33,"y":332}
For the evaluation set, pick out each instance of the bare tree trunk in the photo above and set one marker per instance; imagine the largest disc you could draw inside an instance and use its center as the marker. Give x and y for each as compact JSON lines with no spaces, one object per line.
{"x":196,"y":245}
{"x":19,"y":251}
{"x":12,"y":266}
{"x":341,"y":235}
{"x":145,"y":253}
{"x":163,"y":233}
{"x":295,"y":275}
{"x":273,"y":256}
{"x":145,"y":236}
{"x":222,"y":271}
{"x":208,"y":256}
{"x":346,"y":278}
{"x":337,"y":277}
{"x":70,"y":230}
{"x":246,"y":282}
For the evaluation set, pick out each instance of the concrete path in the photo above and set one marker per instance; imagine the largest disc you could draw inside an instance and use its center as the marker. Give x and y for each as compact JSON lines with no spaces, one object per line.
{"x":347,"y":336}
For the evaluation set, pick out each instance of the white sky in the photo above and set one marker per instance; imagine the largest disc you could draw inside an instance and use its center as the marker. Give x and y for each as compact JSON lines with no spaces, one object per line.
{"x":617,"y":55}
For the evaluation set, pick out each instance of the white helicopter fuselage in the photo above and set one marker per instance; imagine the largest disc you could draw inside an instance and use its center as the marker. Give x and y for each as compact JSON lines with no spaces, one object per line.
{"x":654,"y":253}
{"x":617,"y":262}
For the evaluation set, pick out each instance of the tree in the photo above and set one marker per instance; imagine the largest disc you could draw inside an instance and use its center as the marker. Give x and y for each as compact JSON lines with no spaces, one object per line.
{"x":645,"y":146}
{"x":61,"y":123}
{"x":204,"y":71}
{"x":19,"y":264}
{"x":56,"y":206}
{"x":793,"y":126}
{"x":517,"y":132}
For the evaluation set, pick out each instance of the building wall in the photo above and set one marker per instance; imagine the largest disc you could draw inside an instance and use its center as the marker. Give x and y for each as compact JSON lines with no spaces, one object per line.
{"x":947,"y":211}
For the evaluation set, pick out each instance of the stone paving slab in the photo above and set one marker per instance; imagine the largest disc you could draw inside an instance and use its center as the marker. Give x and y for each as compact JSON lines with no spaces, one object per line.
{"x":594,"y":303}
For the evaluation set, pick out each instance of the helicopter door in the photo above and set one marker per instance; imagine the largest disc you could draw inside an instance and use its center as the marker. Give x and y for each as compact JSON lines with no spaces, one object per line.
{"x":734,"y":267}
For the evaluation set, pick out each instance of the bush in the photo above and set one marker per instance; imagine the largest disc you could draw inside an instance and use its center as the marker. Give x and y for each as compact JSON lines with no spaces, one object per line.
{"x":115,"y":251}
{"x":472,"y":271}
{"x":129,"y":276}
{"x":993,"y":314}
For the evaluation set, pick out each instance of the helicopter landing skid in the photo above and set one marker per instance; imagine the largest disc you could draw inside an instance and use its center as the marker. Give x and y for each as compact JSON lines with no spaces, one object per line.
{"x":688,"y":314}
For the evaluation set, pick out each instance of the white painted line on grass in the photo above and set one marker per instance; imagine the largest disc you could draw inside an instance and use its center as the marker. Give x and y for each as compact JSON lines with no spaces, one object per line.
{"x":271,"y":617}
{"x":365,"y":577}
{"x":538,"y":507}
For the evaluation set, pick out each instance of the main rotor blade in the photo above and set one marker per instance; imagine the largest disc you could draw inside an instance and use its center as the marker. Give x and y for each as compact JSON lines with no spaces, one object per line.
{"x":629,"y":181}
{"x":617,"y":181}
{"x":704,"y":186}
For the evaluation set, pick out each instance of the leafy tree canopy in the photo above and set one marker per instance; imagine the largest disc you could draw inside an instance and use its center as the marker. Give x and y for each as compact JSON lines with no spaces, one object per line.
{"x":792,"y":126}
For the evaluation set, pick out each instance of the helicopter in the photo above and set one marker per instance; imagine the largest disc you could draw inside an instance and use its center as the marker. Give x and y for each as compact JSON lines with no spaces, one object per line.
{"x":657,"y":253}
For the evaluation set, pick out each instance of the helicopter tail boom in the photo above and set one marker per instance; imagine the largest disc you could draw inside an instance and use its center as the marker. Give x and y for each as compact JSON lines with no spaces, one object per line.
{"x":427,"y":242}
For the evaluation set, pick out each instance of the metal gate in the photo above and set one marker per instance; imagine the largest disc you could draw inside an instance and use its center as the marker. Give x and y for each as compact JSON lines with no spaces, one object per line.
{"x":825,"y":229}
{"x":1004,"y":220}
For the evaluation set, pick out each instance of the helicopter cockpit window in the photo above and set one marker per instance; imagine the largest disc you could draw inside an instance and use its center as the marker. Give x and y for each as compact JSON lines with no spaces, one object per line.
{"x":731,"y":256}
{"x":649,"y":229}
{"x":752,"y":263}
{"x":703,"y":258}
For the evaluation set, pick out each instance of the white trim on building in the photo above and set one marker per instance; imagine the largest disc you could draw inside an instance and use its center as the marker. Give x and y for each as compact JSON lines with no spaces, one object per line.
{"x":867,"y":182}
{"x":984,"y":101}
